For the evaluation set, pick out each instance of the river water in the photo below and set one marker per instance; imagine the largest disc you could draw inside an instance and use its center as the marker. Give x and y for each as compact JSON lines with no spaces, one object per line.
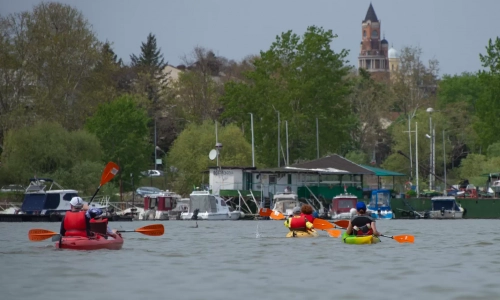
{"x":450,"y":259}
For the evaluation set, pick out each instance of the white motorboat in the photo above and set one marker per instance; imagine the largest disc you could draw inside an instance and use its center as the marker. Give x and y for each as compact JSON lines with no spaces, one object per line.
{"x":41,"y":199}
{"x":205,"y":206}
{"x":285,"y":202}
{"x":445,"y":207}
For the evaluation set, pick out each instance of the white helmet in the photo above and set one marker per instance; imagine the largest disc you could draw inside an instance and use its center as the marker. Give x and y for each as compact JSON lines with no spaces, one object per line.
{"x":76,"y":202}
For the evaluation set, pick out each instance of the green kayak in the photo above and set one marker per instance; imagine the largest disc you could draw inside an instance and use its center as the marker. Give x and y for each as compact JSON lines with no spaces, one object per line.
{"x":359,"y":240}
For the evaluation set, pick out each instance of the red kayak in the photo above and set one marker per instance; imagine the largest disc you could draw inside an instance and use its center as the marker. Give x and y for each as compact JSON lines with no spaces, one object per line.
{"x":83,"y":243}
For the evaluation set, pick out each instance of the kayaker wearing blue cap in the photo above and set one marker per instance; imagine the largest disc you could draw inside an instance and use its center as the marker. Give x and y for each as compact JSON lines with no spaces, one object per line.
{"x":95,"y":216}
{"x":75,"y":223}
{"x":298,"y":222}
{"x":361,"y":223}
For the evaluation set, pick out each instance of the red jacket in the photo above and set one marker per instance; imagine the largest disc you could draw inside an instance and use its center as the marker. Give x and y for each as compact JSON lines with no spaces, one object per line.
{"x":75,"y":224}
{"x":309,"y":218}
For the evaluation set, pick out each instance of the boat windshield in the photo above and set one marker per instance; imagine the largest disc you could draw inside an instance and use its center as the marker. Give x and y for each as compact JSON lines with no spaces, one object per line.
{"x":380,"y":199}
{"x":346,"y":203}
{"x":282,"y":206}
{"x":446,"y":204}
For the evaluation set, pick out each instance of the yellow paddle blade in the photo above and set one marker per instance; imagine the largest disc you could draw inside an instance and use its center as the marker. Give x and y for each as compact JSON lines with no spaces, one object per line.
{"x":153,"y":230}
{"x":404,"y":238}
{"x":334,"y":232}
{"x":322,"y":224}
{"x":342,"y":223}
{"x":276,"y":215}
{"x":265,"y":212}
{"x":37,"y":234}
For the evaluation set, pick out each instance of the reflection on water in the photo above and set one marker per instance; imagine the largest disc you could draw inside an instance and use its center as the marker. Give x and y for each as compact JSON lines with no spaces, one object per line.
{"x":451,"y":259}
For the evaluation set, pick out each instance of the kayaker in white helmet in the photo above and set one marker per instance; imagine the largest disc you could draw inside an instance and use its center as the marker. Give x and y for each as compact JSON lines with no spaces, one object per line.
{"x":75,"y":223}
{"x":96,"y":216}
{"x":298,"y":222}
{"x":361,"y":223}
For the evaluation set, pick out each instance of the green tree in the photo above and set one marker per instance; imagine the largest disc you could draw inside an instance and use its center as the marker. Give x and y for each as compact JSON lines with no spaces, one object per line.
{"x":121,"y":127}
{"x":370,"y":101}
{"x":459,"y":88}
{"x":50,"y":51}
{"x":357,"y":156}
{"x":488,"y":110}
{"x":48,"y":150}
{"x":302,"y":78}
{"x":189,"y":153}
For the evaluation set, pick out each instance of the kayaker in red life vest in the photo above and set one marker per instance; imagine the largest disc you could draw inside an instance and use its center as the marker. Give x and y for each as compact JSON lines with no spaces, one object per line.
{"x":306,"y":212}
{"x":95,"y":216}
{"x":75,"y":223}
{"x":361,"y":223}
{"x":298,"y":222}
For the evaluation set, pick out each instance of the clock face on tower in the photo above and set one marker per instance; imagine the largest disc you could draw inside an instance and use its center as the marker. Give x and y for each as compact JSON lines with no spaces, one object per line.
{"x":374,"y":34}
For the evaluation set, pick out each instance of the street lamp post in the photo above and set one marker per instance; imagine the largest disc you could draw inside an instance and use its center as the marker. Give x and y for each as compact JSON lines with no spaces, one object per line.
{"x":430,"y":110}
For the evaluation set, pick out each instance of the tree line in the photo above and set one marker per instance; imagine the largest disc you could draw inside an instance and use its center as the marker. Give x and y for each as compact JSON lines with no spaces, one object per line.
{"x":68,"y":105}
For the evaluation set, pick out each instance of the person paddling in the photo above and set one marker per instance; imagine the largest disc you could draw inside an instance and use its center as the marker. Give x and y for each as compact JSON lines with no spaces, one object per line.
{"x":361,"y":223}
{"x":95,"y":216}
{"x":75,"y":223}
{"x":298,"y":222}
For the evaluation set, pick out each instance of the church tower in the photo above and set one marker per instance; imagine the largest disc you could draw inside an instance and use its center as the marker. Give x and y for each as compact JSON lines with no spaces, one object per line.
{"x":373,"y":56}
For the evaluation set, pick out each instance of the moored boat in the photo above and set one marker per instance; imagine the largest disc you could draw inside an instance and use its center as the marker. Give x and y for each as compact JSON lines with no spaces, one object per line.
{"x":205,"y":206}
{"x":342,"y":205}
{"x":359,"y":240}
{"x":302,"y":234}
{"x":445,"y":207}
{"x":380,"y":205}
{"x":84,"y":243}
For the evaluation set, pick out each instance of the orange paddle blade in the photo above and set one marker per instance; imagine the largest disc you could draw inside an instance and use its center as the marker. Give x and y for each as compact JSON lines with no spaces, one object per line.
{"x":109,"y":172}
{"x":322,"y":224}
{"x":334,"y":232}
{"x":342,"y":223}
{"x":265,"y":212}
{"x":404,"y":238}
{"x":276,"y":215}
{"x":36,"y":235}
{"x":153,"y":230}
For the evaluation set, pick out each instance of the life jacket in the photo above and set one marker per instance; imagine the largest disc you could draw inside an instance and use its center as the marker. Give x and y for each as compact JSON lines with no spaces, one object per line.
{"x":99,"y":226}
{"x":361,"y":225}
{"x":309,"y":218}
{"x":298,"y":223}
{"x":75,"y":224}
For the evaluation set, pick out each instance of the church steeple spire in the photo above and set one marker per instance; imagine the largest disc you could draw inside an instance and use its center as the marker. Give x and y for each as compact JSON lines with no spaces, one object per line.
{"x":371,"y":15}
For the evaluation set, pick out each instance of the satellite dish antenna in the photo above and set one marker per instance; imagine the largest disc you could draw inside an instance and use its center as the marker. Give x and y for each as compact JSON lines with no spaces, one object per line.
{"x":213,"y":154}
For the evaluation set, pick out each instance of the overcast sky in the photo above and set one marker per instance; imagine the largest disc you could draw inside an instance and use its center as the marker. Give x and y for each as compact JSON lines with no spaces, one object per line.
{"x":452,"y":31}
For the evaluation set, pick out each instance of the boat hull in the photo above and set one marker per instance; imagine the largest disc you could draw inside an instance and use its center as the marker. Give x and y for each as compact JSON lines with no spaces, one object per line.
{"x":359,"y":240}
{"x":235,"y":215}
{"x":83,"y":243}
{"x":436,"y":214}
{"x":302,"y":234}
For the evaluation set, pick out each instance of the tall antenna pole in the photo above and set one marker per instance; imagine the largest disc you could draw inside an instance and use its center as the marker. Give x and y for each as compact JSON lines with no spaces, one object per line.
{"x":287,"y":152}
{"x":409,"y":138}
{"x":155,"y":143}
{"x":253,"y":146}
{"x":317,"y":139}
{"x":444,"y":165}
{"x":279,"y":142}
{"x":416,"y":156}
{"x":216,"y":143}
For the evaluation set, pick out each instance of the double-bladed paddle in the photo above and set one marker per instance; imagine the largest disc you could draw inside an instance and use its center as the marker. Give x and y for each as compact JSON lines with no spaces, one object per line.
{"x":109,"y":172}
{"x":37,"y":235}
